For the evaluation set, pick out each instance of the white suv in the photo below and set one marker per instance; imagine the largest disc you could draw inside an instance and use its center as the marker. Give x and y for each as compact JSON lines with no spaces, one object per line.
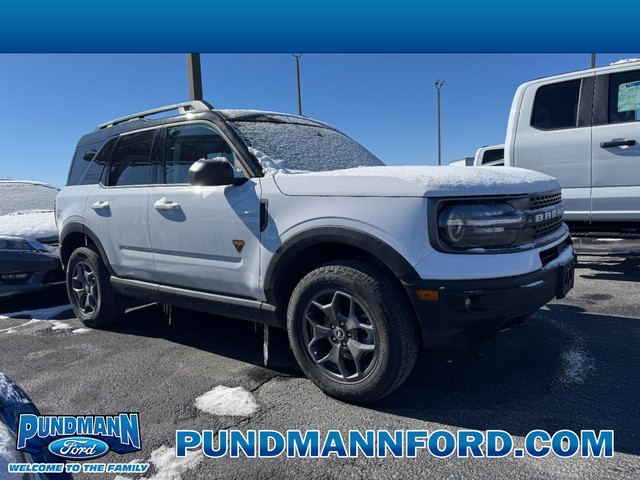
{"x":284,"y":220}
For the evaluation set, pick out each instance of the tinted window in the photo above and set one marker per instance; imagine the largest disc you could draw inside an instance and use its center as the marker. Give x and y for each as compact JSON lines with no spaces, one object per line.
{"x":187,"y":144}
{"x":82,"y":163}
{"x":624,"y":97}
{"x":556,"y":106}
{"x":493,"y":155}
{"x":131,"y":161}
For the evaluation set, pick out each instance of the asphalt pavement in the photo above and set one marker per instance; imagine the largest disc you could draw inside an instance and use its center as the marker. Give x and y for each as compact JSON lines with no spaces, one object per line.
{"x":574,"y":365}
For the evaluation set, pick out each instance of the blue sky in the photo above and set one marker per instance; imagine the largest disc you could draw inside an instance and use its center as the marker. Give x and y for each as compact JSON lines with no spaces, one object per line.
{"x":387,"y":102}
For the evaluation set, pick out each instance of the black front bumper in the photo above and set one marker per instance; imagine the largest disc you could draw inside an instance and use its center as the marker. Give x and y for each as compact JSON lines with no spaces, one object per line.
{"x":468,"y":311}
{"x":43,"y":269}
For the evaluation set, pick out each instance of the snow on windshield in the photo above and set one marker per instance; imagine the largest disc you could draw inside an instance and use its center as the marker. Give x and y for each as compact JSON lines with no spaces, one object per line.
{"x":294,"y":144}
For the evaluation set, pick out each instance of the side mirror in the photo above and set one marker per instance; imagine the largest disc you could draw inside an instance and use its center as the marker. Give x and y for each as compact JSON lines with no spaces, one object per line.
{"x":213,"y":171}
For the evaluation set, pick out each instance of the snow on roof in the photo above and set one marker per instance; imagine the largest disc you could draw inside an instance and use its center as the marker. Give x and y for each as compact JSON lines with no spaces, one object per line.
{"x":38,"y":224}
{"x":625,"y":60}
{"x":21,"y":195}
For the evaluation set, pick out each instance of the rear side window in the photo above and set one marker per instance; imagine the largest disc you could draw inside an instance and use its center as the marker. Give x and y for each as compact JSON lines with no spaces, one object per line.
{"x":187,"y":144}
{"x":624,"y":97}
{"x":84,"y":168}
{"x":131,"y":163}
{"x":556,"y":106}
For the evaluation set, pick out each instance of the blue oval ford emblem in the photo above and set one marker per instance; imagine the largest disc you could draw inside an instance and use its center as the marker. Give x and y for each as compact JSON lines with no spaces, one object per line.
{"x":78,"y":448}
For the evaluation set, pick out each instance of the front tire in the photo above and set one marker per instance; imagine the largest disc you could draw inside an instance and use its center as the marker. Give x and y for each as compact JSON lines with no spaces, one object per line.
{"x":352,"y":332}
{"x":89,"y":288}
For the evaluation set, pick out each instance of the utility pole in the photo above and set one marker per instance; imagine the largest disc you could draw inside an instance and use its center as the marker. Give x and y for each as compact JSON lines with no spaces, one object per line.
{"x":194,"y":76}
{"x":593,"y":60}
{"x":297,"y":57}
{"x":439,"y":84}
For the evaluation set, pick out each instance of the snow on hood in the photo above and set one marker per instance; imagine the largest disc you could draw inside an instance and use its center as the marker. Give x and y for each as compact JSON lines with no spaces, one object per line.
{"x":38,"y":224}
{"x":416,"y":181}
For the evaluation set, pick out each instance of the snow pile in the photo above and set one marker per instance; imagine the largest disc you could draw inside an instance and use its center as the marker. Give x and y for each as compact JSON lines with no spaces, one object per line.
{"x":13,"y":329}
{"x":60,"y":326}
{"x":38,"y":224}
{"x":9,"y":394}
{"x":168,"y":467}
{"x":42,"y":314}
{"x":17,"y":196}
{"x":271,"y":167}
{"x":235,"y":402}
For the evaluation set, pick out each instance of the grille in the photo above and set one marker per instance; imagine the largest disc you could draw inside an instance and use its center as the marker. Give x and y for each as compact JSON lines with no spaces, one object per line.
{"x":541,"y":201}
{"x":546,"y":228}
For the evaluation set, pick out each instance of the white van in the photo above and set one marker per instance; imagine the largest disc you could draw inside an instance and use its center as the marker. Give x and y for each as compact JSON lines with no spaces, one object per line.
{"x":582,"y":128}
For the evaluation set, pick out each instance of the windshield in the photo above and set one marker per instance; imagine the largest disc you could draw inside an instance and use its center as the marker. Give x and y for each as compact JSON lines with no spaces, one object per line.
{"x":298,"y":144}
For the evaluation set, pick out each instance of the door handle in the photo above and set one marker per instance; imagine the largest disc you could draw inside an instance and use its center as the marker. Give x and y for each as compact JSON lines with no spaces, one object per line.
{"x":101,"y":205}
{"x":618,"y":143}
{"x":164,"y":204}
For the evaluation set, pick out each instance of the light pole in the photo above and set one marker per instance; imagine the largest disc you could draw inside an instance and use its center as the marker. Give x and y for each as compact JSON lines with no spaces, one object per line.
{"x":297,"y":57}
{"x":194,"y":76}
{"x":439,"y":84}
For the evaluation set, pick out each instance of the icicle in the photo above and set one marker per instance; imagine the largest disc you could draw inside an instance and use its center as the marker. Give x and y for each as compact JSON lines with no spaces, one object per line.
{"x":166,"y":309}
{"x":265,"y":346}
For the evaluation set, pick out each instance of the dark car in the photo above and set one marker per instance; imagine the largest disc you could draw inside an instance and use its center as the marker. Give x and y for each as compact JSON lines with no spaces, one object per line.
{"x":29,"y":253}
{"x":13,"y":402}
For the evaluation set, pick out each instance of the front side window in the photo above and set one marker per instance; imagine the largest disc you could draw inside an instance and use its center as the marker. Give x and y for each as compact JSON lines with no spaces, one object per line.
{"x":556,"y":106}
{"x":624,"y":97}
{"x":131,"y":164}
{"x":187,"y":144}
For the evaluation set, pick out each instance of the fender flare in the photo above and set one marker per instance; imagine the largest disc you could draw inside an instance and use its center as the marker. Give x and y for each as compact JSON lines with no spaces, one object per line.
{"x":335,"y":234}
{"x":77,"y":227}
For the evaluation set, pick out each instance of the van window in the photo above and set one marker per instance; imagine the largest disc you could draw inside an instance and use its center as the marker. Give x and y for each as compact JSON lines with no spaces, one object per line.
{"x":131,"y":163}
{"x":556,"y":106}
{"x":492,"y":155}
{"x":624,"y":97}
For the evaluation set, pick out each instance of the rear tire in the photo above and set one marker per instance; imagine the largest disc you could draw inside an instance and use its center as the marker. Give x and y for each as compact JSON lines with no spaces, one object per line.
{"x":89,"y":288}
{"x":352,"y":332}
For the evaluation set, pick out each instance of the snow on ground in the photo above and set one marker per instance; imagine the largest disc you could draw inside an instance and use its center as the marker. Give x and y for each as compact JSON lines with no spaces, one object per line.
{"x":41,"y":314}
{"x":13,"y":329}
{"x":167,"y":466}
{"x":236,"y":402}
{"x":60,"y":326}
{"x":81,"y":330}
{"x":38,"y":224}
{"x":21,"y":195}
{"x":575,"y":367}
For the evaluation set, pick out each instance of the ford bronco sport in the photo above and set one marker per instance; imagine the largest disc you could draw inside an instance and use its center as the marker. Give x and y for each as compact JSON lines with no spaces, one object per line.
{"x":284,"y":220}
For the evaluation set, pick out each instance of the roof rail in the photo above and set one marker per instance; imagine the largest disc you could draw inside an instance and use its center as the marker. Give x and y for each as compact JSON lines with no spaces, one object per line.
{"x":193,"y":107}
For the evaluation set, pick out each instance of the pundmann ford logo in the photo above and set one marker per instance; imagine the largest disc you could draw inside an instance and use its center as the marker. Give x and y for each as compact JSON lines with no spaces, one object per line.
{"x":79,"y":437}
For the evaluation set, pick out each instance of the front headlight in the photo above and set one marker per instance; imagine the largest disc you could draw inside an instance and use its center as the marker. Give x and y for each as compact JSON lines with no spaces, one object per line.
{"x":18,"y":244}
{"x":480,"y":225}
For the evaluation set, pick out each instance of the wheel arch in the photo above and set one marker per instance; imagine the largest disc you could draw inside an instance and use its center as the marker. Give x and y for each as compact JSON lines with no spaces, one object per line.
{"x":76,"y":235}
{"x":316,"y":246}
